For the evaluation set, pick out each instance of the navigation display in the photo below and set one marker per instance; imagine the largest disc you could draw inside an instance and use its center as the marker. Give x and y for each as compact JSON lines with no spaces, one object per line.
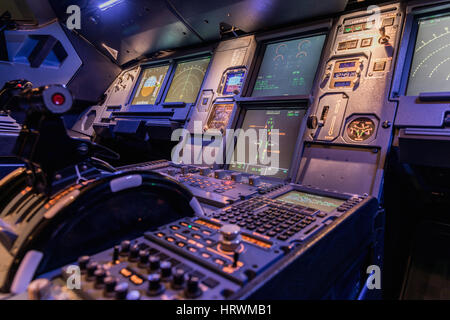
{"x":287,"y":121}
{"x":289,"y":67}
{"x":149,"y":86}
{"x":233,"y":83}
{"x":325,"y":204}
{"x":187,"y":81}
{"x":430,"y":68}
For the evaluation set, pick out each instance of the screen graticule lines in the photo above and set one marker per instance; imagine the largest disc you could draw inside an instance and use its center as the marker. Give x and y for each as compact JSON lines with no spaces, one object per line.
{"x":289,"y":67}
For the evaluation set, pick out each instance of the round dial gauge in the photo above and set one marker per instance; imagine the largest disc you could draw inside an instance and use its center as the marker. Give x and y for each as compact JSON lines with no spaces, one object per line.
{"x":360,"y":129}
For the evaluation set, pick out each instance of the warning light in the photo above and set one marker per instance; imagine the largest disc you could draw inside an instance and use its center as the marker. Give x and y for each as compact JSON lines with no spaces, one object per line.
{"x":58,"y":99}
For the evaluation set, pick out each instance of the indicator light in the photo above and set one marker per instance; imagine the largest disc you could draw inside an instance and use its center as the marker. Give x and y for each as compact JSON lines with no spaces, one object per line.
{"x":58,"y":99}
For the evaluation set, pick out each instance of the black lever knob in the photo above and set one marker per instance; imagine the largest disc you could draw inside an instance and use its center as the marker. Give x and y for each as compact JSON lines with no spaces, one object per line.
{"x":134,"y":253}
{"x":110,"y":284}
{"x":116,"y":253}
{"x":154,"y":285}
{"x":154,"y":263}
{"x":179,"y":278}
{"x":166,"y":269}
{"x":125,"y":247}
{"x":143,"y":257}
{"x":83,"y":262}
{"x":100,"y":275}
{"x":121,"y":290}
{"x":91,"y":268}
{"x":192,"y":288}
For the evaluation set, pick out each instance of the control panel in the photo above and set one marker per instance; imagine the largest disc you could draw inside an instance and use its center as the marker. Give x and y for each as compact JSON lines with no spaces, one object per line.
{"x":217,"y":256}
{"x":349,"y":125}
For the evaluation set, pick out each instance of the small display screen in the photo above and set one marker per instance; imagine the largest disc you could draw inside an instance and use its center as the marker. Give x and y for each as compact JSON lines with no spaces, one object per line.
{"x":150,"y":85}
{"x":233,"y":82}
{"x":342,"y":84}
{"x":344,"y":74}
{"x":287,"y":122}
{"x":187,"y":81}
{"x":289,"y":67}
{"x":344,"y":65}
{"x":430,"y":68}
{"x":325,"y":204}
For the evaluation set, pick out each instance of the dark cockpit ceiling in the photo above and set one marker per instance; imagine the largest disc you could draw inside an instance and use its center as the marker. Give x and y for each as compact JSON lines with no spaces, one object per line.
{"x":142,"y":28}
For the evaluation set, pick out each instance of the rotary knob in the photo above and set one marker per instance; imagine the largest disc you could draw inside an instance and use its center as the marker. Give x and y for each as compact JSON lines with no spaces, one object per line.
{"x":100,"y":275}
{"x":121,"y":290}
{"x":230,"y":237}
{"x":154,"y":263}
{"x":83,"y":262}
{"x":312,"y":122}
{"x":166,"y":269}
{"x":134,"y":252}
{"x":110,"y":284}
{"x":179,"y":278}
{"x":154,"y":285}
{"x":91,"y":268}
{"x":192,"y":288}
{"x":143,"y":257}
{"x":125,"y":247}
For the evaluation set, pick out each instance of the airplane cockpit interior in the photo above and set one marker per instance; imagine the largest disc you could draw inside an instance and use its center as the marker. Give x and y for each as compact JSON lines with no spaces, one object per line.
{"x":224,"y":150}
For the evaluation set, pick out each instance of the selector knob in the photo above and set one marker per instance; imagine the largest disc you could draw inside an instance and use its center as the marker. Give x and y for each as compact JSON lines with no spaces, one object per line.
{"x":121,"y":290}
{"x":91,"y":268}
{"x":110,"y":284}
{"x":312,"y":122}
{"x":133,"y":295}
{"x":100,"y":275}
{"x":83,"y":262}
{"x":179,"y":279}
{"x":166,"y":269}
{"x":154,"y":285}
{"x":125,"y":247}
{"x":143,"y":257}
{"x":230,"y":237}
{"x":134,"y":252}
{"x":254,"y":181}
{"x":192,"y":288}
{"x":154,"y":263}
{"x":116,"y":253}
{"x":184,"y":170}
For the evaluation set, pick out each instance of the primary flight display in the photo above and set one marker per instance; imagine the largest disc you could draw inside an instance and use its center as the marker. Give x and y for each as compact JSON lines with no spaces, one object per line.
{"x":150,"y":85}
{"x":289,"y":67}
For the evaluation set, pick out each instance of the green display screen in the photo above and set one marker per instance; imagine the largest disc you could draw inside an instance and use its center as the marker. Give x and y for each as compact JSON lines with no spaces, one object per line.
{"x":187,"y":81}
{"x":430,"y":67}
{"x":325,"y":204}
{"x":289,"y":67}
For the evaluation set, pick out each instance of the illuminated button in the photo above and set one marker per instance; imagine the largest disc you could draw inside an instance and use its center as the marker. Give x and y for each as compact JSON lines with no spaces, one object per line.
{"x":160,"y":234}
{"x":206,"y":255}
{"x":192,"y":249}
{"x":58,"y":99}
{"x":170,"y":239}
{"x":220,"y":262}
{"x":207,"y":232}
{"x":197,"y":236}
{"x":379,"y":66}
{"x":358,"y":27}
{"x":184,"y":224}
{"x":352,"y":44}
{"x":388,"y":22}
{"x":175,"y":227}
{"x":367,"y":42}
{"x":136,"y":280}
{"x":181,"y":244}
{"x":342,"y":45}
{"x":125,"y":272}
{"x":348,"y":29}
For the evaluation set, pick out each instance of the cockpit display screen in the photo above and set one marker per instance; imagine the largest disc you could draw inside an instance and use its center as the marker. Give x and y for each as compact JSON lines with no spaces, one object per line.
{"x":430,"y":68}
{"x":289,"y":67}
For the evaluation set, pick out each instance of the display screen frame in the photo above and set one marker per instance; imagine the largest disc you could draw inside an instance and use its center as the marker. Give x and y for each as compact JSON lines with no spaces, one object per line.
{"x":295,"y":159}
{"x":172,"y":75}
{"x":249,"y":84}
{"x":341,"y":200}
{"x":407,"y":45}
{"x":412,"y":46}
{"x":160,"y":95}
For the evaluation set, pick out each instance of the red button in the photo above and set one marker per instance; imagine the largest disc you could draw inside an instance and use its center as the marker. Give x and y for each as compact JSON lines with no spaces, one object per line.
{"x":58,"y":99}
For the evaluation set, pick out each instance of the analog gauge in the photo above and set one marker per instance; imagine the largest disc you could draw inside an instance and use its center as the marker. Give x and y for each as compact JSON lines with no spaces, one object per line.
{"x":361,"y":129}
